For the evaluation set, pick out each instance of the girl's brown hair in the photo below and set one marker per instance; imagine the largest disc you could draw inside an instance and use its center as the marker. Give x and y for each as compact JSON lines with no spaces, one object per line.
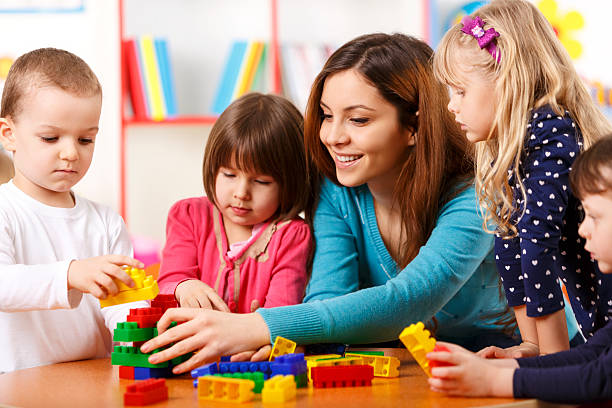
{"x":399,"y":67}
{"x":262,"y":134}
{"x":592,"y":170}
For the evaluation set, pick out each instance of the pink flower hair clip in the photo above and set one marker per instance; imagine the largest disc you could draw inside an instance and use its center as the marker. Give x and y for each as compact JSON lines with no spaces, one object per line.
{"x":475,"y":28}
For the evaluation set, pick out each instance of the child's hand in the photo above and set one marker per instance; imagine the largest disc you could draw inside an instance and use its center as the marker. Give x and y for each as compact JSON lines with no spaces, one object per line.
{"x":469,"y":375}
{"x":195,"y":293}
{"x":95,"y":275}
{"x":260,"y":355}
{"x":525,"y":349}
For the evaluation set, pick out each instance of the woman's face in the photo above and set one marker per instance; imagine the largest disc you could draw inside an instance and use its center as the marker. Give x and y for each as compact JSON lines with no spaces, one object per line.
{"x":362,"y":132}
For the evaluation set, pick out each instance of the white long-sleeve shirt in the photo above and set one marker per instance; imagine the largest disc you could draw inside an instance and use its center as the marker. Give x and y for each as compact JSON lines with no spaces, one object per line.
{"x":41,"y":321}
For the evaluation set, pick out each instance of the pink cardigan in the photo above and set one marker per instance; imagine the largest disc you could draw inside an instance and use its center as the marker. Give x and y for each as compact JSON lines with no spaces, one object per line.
{"x":270,"y":268}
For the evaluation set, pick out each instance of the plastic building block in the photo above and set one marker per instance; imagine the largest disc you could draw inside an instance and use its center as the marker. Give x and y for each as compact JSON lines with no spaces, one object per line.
{"x":301,"y":380}
{"x":226,"y":359}
{"x":145,"y":288}
{"x":132,"y":356}
{"x":417,"y":340}
{"x":225,"y":389}
{"x":144,"y":373}
{"x":344,"y":361}
{"x":383,"y":366}
{"x":206,"y":369}
{"x":326,"y":348}
{"x":289,"y":364}
{"x":366,"y":353}
{"x":246,"y":367}
{"x":342,"y":376}
{"x":435,"y":363}
{"x":164,"y":302}
{"x":129,"y":331}
{"x":280,"y":388}
{"x":321,"y":357}
{"x":145,"y":316}
{"x":282,"y":346}
{"x":126,"y":372}
{"x":146,"y":392}
{"x":257,"y":378}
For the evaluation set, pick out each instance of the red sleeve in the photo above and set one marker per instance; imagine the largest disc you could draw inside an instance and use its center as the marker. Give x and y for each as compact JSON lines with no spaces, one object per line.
{"x":290,"y":275}
{"x":180,"y":254}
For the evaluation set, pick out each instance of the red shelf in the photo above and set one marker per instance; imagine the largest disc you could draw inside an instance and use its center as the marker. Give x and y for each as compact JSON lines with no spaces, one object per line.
{"x":181,"y":120}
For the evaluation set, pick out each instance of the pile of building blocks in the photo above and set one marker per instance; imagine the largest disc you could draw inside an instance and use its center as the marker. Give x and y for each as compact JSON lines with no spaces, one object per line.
{"x":383,"y":366}
{"x":418,"y":341}
{"x":280,"y":388}
{"x":140,"y":327}
{"x":145,"y":288}
{"x":214,"y":388}
{"x":146,"y":392}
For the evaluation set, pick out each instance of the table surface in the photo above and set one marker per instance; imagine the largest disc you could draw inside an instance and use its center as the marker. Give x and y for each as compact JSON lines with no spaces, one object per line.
{"x":96,"y":383}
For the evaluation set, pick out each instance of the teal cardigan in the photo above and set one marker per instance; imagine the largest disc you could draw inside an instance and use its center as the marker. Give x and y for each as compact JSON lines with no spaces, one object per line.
{"x":357,"y":293}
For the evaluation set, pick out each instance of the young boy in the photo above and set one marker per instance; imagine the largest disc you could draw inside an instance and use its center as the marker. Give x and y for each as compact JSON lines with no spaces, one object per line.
{"x":51,"y":239}
{"x":583,"y":374}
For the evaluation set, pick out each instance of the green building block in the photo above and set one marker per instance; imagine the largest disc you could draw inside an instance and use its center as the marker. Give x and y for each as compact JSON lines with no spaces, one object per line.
{"x":368,"y":353}
{"x":256,"y":377}
{"x":129,"y":332}
{"x":133,"y":357}
{"x":301,"y":380}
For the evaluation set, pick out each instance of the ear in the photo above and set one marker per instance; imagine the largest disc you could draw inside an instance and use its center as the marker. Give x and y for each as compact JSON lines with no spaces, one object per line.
{"x":409,"y":137}
{"x":7,"y":134}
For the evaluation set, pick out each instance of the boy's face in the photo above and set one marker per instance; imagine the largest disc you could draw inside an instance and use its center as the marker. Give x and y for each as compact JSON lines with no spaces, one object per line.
{"x":52,"y":141}
{"x":597,"y":228}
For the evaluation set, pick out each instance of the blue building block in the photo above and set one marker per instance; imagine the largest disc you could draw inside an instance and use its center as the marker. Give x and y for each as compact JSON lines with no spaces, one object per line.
{"x":226,"y":358}
{"x":326,"y":348}
{"x":289,"y":364}
{"x":206,"y":369}
{"x":264,"y":367}
{"x":144,"y":373}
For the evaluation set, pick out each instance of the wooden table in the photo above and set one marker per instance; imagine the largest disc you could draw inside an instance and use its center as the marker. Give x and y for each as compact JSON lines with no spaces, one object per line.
{"x":96,"y":383}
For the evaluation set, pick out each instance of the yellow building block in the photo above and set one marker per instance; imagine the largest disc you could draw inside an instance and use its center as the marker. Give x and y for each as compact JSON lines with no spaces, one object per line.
{"x":383,"y":366}
{"x":281,"y":347}
{"x":321,"y":357}
{"x":344,"y":361}
{"x":225,"y":389}
{"x":145,"y":287}
{"x":280,"y":388}
{"x":418,"y":341}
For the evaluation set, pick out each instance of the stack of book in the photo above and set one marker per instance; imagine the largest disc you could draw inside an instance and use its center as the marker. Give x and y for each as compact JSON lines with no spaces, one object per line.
{"x":245,"y":70}
{"x":150,"y":81}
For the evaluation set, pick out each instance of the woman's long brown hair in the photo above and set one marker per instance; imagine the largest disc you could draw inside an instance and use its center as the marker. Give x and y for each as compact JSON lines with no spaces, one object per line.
{"x":399,"y":66}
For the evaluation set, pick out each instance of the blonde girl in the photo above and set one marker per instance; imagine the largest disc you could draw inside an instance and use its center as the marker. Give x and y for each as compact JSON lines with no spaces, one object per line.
{"x":516,"y":94}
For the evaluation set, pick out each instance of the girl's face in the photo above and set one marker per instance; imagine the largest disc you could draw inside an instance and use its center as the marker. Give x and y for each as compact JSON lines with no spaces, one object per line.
{"x":473,"y":102}
{"x":597,"y":228}
{"x":361,"y":131}
{"x":245,"y":199}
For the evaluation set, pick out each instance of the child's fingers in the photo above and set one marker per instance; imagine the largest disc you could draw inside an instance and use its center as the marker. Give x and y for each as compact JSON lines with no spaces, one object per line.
{"x":96,"y":291}
{"x":244,"y":356}
{"x":262,"y":354}
{"x":119,"y":274}
{"x":189,"y":301}
{"x":121,"y":260}
{"x":217,"y":303}
{"x":106,"y":283}
{"x":442,"y":385}
{"x":452,"y":347}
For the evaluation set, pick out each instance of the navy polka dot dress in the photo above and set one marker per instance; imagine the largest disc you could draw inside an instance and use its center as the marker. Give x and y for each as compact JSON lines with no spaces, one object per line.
{"x":548,"y":247}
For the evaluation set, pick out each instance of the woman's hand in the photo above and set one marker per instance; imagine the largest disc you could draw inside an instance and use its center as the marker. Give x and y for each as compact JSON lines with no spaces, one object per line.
{"x":525,"y":349}
{"x":195,"y":293}
{"x":469,"y":374}
{"x":208,"y":333}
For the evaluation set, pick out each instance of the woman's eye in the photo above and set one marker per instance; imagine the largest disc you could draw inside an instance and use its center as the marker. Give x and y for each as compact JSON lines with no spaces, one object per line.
{"x":85,"y":140}
{"x":263,"y":182}
{"x":360,"y":121}
{"x":326,"y":116}
{"x":229,"y":175}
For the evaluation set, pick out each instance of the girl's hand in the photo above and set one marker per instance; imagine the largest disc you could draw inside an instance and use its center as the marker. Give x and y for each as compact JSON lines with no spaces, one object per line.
{"x":470,"y":375}
{"x":208,"y":333}
{"x":95,"y":275}
{"x":195,"y":293}
{"x":260,"y":355}
{"x":525,"y":349}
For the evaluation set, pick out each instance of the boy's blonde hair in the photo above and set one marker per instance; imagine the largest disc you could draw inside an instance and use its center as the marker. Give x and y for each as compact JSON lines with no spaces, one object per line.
{"x":46,"y":67}
{"x":534,"y":70}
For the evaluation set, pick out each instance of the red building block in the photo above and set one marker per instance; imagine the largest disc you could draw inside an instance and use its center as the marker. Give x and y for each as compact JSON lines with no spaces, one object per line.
{"x":126,"y":372}
{"x":435,"y":363}
{"x":145,"y":316}
{"x":342,"y":376}
{"x":164,"y":302}
{"x":146,"y":392}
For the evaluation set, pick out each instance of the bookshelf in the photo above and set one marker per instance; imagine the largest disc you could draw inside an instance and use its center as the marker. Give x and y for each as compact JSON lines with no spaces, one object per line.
{"x":160,"y":161}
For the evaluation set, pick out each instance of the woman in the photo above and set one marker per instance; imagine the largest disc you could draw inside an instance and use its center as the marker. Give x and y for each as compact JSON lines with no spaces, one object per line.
{"x":398,"y":234}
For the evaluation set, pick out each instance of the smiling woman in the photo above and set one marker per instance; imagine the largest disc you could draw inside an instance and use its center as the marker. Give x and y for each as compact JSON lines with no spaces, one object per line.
{"x":398,"y":235}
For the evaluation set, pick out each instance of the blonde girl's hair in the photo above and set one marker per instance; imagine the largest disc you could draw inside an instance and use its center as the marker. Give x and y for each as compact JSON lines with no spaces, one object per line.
{"x":534,"y":70}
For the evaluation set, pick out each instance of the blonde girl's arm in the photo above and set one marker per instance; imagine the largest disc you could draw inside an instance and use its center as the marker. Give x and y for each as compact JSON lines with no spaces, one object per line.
{"x":552,"y":332}
{"x":529,"y":346}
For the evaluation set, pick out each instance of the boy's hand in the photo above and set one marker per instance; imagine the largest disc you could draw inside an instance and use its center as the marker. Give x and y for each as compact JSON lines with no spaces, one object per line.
{"x":95,"y":275}
{"x":195,"y":293}
{"x":525,"y":349}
